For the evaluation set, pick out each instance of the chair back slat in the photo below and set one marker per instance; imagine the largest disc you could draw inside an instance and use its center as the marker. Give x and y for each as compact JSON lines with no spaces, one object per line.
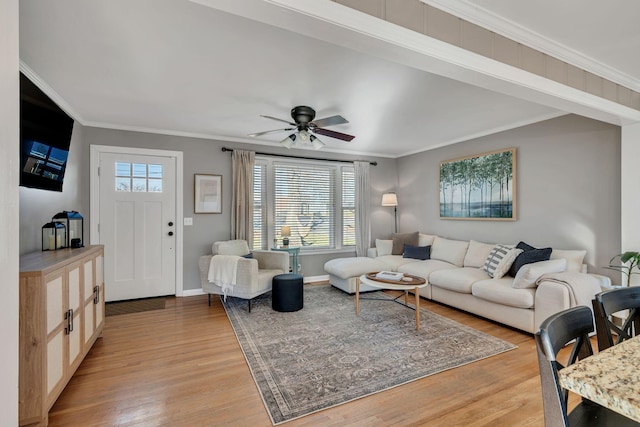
{"x":574,"y":324}
{"x":612,"y":301}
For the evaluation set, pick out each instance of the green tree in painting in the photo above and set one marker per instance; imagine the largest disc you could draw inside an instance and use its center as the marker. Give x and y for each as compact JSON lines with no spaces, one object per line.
{"x":479,"y":186}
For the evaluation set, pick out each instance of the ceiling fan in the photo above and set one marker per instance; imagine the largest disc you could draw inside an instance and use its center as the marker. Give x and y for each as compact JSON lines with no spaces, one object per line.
{"x":305,"y":127}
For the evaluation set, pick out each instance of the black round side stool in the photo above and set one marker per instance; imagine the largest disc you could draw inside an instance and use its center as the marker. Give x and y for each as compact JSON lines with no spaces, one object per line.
{"x":286,"y":292}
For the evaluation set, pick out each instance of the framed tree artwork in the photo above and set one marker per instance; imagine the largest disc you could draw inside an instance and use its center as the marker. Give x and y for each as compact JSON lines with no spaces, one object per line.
{"x":208,"y":193}
{"x":479,"y":187}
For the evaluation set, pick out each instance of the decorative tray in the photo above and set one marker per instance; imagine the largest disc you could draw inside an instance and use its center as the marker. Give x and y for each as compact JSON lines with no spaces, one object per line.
{"x":415,"y":280}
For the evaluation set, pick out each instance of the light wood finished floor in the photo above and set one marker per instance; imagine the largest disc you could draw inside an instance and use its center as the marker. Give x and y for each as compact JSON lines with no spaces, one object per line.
{"x":182,"y":366}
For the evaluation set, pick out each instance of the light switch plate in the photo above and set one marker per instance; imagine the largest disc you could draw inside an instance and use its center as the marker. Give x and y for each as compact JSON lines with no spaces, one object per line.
{"x":188,"y":221}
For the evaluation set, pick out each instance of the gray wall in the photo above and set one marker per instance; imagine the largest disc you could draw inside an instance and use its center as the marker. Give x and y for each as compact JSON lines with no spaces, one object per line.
{"x":568,"y":189}
{"x":205,"y":156}
{"x":38,"y":206}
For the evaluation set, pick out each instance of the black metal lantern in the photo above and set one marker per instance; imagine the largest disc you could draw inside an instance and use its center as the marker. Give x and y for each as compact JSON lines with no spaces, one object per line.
{"x":54,"y":236}
{"x":74,"y":224}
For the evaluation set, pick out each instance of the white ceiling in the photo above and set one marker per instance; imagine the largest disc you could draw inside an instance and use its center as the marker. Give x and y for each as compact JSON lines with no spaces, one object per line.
{"x":178,"y":67}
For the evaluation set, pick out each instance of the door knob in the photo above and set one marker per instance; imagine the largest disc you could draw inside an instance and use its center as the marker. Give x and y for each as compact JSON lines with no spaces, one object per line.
{"x":171,"y":233}
{"x":170,"y":223}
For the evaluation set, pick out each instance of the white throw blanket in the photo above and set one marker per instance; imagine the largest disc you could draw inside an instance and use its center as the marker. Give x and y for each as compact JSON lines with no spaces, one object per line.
{"x":222,"y":272}
{"x":581,"y":287}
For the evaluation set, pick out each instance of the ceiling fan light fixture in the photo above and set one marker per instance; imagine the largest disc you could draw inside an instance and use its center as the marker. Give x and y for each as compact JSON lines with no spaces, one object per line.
{"x":289,"y":141}
{"x":315,"y":141}
{"x":304,"y":135}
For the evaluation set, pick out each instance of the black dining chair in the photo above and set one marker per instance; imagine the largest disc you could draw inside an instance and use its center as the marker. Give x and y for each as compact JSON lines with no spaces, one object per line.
{"x":611,"y":301}
{"x":555,"y":332}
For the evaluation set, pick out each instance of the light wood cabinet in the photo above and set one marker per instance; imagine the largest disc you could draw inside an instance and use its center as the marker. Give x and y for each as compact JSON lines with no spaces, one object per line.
{"x":61,"y":316}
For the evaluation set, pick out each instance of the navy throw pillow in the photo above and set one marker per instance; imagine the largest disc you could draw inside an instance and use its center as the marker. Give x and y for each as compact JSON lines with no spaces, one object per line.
{"x":416,"y":252}
{"x":529,"y":256}
{"x":248,"y":256}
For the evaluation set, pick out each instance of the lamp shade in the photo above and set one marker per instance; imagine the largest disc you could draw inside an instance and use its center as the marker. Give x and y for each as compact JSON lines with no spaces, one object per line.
{"x":285,"y":231}
{"x":389,"y":199}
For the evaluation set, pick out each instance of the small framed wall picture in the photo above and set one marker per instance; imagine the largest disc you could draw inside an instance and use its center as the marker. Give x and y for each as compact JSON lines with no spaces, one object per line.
{"x":208,"y":193}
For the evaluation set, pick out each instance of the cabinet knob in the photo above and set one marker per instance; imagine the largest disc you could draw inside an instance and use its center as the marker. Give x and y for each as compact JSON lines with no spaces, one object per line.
{"x":170,"y":233}
{"x":170,"y":223}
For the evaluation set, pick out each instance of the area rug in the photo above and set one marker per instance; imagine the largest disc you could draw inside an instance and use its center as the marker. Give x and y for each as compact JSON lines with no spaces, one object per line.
{"x":324,"y":355}
{"x":134,"y":306}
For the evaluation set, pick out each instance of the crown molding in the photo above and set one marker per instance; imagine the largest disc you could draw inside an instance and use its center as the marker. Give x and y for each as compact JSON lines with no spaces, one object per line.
{"x":485,"y":18}
{"x":48,"y":90}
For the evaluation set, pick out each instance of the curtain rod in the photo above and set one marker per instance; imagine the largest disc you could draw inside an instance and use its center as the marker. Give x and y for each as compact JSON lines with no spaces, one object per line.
{"x":225,"y":149}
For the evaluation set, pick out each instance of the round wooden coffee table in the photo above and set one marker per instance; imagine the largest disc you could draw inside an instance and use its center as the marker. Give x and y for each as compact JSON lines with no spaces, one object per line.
{"x":401,"y":285}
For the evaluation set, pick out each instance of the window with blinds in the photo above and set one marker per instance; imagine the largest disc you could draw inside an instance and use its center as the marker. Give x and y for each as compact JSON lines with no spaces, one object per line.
{"x":348,"y":207}
{"x":259,"y":214}
{"x":316,"y":200}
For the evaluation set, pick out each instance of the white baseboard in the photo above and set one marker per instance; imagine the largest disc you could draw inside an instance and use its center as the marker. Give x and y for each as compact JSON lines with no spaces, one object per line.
{"x":192,"y":292}
{"x":310,"y":279}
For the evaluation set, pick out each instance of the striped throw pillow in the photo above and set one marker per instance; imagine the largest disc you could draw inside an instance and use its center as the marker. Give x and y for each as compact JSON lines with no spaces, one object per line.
{"x":499,"y":260}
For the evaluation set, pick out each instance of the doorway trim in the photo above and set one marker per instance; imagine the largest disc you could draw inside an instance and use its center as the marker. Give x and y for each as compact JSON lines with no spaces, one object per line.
{"x":94,"y":207}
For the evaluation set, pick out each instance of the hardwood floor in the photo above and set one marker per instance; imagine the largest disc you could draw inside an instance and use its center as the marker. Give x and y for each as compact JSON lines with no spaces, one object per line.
{"x":182,"y":366}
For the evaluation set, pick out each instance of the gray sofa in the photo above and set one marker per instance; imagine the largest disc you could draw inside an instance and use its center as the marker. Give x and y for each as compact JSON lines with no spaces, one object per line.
{"x":456,"y":277}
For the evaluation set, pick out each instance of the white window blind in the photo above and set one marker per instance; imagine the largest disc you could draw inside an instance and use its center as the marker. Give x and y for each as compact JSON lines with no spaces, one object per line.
{"x":304,"y":200}
{"x":348,"y":207}
{"x":259,"y":209}
{"x":315,"y":199}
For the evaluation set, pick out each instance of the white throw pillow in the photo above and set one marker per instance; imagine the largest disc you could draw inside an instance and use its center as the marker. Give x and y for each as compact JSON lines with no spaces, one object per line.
{"x":384,"y":247}
{"x":529,"y":274}
{"x":231,"y":247}
{"x":477,"y":254}
{"x":574,"y":258}
{"x":451,"y":251}
{"x":425,"y":239}
{"x":499,"y":260}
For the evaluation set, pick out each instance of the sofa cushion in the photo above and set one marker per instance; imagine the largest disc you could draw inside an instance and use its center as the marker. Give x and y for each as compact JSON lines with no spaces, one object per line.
{"x":500,"y":291}
{"x":400,"y":239}
{"x":384,"y":247}
{"x":477,"y":254}
{"x":395,"y":261}
{"x":574,"y":258}
{"x":499,"y":260}
{"x":530,"y":255}
{"x":425,"y":268}
{"x":425,"y":239}
{"x":345,"y":268}
{"x":416,"y":252}
{"x":451,"y":251}
{"x":529,"y":274}
{"x":457,"y":280}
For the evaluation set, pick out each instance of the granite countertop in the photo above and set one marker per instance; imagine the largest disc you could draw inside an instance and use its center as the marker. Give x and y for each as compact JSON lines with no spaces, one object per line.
{"x":610,"y":378}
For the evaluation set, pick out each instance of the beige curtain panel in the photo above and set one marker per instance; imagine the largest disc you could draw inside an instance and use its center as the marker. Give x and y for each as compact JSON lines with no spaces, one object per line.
{"x":242,"y":163}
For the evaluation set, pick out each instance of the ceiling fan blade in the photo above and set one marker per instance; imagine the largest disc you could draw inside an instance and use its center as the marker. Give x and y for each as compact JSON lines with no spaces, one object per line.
{"x":330,"y":121}
{"x":333,"y":134}
{"x":280,"y":120}
{"x":270,"y":131}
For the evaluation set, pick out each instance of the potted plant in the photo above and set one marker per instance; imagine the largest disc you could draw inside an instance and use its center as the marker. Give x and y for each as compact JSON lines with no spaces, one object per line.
{"x":626,"y":264}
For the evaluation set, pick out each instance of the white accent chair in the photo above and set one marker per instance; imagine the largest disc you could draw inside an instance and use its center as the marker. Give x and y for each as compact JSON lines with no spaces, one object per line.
{"x":253,"y":275}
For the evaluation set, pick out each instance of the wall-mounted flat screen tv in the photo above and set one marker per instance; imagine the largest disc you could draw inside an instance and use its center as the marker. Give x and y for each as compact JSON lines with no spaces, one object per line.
{"x":45,"y":136}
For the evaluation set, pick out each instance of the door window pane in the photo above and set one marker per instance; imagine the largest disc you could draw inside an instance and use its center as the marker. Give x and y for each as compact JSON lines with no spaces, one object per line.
{"x":139,"y":185}
{"x":155,"y":186}
{"x":148,"y":178}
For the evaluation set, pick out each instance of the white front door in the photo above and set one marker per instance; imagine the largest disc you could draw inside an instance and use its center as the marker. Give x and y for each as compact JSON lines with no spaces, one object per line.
{"x":137,"y":224}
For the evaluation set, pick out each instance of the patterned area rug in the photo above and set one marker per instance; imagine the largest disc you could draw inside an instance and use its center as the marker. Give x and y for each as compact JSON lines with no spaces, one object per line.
{"x":134,"y":306}
{"x":324,"y":355}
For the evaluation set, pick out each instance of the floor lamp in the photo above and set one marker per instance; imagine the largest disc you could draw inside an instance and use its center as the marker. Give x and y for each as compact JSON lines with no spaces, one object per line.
{"x":390,"y":199}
